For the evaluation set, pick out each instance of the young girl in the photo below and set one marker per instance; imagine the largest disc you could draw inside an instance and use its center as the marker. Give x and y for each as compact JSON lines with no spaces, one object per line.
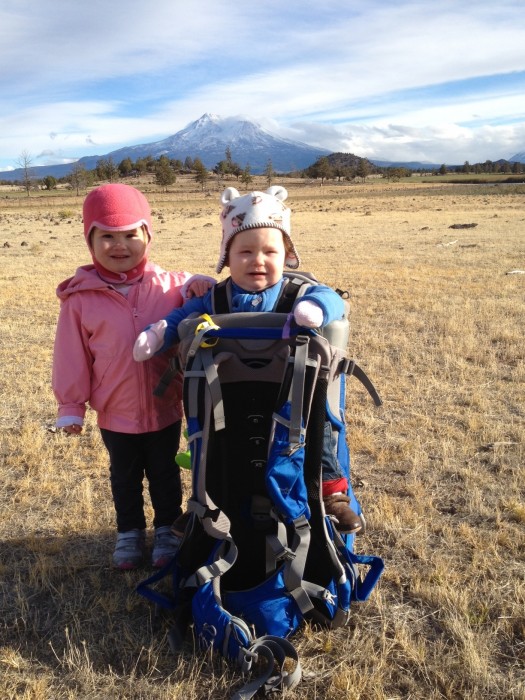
{"x":256,"y":246}
{"x":103,"y":307}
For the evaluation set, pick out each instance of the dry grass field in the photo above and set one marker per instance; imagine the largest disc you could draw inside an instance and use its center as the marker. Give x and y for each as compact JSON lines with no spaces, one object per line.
{"x":437,"y":322}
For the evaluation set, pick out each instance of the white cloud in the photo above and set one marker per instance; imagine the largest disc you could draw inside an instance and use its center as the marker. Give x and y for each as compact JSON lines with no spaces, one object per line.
{"x":86,"y":79}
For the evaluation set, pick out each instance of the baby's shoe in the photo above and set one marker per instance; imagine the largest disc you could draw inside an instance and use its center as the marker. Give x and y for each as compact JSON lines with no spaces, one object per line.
{"x":129,"y":549}
{"x":346,"y":520}
{"x":165,"y":546}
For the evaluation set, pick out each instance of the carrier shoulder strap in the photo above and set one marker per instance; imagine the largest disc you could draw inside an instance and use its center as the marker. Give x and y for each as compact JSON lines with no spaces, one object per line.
{"x":221,"y":297}
{"x":294,"y":285}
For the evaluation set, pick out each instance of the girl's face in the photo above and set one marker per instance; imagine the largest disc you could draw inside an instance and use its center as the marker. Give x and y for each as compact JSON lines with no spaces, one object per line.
{"x":256,"y":258}
{"x":119,"y":251}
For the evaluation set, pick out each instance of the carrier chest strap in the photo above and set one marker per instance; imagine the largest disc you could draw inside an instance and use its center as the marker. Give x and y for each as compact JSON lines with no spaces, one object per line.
{"x":221,"y":297}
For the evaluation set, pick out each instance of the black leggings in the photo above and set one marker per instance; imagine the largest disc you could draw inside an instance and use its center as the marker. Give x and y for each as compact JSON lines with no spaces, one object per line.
{"x":133,"y":456}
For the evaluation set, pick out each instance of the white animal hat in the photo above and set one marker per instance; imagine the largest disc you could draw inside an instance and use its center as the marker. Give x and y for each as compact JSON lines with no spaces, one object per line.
{"x":256,"y":210}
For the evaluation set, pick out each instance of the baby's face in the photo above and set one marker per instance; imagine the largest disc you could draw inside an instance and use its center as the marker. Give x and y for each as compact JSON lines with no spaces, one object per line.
{"x":119,"y":251}
{"x":256,"y":258}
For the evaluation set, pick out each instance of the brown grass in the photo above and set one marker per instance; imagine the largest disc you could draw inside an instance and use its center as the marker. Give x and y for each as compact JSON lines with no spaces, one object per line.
{"x":436,"y":322}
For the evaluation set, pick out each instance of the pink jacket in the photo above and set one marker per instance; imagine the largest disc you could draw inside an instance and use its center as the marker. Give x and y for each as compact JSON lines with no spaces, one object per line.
{"x":93,"y":360}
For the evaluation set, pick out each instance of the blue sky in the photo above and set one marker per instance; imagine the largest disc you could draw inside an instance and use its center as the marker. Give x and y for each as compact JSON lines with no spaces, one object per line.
{"x":440,"y":82}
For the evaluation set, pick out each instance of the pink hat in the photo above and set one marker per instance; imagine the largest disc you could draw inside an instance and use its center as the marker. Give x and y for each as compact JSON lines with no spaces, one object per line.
{"x":255,"y":210}
{"x":116,"y":207}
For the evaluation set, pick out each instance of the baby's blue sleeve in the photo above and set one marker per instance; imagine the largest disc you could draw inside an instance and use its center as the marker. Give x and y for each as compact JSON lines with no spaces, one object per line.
{"x":332,"y":305}
{"x":198,"y":305}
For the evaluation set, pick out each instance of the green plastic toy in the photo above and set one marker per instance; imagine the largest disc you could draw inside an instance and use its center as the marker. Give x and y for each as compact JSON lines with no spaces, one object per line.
{"x":183,"y":459}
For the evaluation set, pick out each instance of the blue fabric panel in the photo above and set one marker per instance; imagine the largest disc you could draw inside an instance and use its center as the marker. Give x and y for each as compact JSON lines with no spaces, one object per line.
{"x":268,"y":607}
{"x":285,"y":475}
{"x":211,"y":622}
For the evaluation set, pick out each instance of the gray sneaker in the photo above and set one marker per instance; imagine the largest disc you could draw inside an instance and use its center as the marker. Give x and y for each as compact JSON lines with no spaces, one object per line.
{"x":165,"y":546}
{"x":129,"y":549}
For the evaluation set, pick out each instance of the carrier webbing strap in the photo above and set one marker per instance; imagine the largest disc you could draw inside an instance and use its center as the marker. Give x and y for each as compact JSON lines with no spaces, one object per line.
{"x":168,"y":376}
{"x":295,"y":554}
{"x":225,"y":559}
{"x":298,"y":413}
{"x":294,"y":567}
{"x":277,"y":550}
{"x":272,"y":649}
{"x":361,"y":587}
{"x":204,"y":366}
{"x":351,"y":368}
{"x":212,"y":379}
{"x":297,"y":389}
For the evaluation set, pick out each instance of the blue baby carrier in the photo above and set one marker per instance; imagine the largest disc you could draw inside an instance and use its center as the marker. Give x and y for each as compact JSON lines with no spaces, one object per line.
{"x":259,"y":555}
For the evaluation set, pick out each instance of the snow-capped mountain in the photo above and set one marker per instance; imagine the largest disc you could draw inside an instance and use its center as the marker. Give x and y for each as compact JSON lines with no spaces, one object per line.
{"x":210,"y":136}
{"x":207,"y":138}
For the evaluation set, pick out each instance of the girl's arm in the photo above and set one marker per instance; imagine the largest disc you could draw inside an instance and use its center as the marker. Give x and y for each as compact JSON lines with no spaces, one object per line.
{"x":71,"y":379}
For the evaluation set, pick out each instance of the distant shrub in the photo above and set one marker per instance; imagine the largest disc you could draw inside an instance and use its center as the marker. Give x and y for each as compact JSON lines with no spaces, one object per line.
{"x":65,"y":214}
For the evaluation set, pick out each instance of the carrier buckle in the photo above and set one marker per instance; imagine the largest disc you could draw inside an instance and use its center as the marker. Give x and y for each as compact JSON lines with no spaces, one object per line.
{"x":292,"y":449}
{"x":207,"y":325}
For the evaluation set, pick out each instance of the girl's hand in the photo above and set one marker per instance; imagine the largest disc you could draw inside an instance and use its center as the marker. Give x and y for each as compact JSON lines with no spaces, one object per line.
{"x":72,"y":429}
{"x":197,"y":286}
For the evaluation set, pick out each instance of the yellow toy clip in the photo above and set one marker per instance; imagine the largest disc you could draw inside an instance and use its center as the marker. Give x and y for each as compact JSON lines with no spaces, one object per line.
{"x":207,"y":325}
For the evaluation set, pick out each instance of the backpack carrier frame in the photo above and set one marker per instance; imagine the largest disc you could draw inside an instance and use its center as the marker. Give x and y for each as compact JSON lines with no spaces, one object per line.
{"x":259,"y":555}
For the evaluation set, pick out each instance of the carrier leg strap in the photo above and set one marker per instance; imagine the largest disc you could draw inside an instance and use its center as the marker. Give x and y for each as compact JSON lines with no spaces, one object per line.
{"x":294,"y":567}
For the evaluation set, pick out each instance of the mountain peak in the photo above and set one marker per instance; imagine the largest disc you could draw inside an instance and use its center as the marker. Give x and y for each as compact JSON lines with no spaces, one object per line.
{"x":206,"y":119}
{"x":210,"y":135}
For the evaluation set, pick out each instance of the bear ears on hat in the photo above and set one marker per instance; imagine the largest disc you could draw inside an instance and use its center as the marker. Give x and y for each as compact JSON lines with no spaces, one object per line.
{"x":277,"y":191}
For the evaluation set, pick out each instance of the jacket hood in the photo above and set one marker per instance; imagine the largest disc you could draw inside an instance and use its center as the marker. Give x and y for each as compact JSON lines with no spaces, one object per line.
{"x":86,"y":278}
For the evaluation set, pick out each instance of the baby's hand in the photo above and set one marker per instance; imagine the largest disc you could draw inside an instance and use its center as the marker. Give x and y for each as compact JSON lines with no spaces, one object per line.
{"x":149,"y":341}
{"x":197,"y":286}
{"x":308,"y":314}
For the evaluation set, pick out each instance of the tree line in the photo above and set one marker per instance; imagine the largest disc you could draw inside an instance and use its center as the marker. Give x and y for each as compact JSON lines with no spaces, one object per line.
{"x":336,"y":166}
{"x":165,"y":171}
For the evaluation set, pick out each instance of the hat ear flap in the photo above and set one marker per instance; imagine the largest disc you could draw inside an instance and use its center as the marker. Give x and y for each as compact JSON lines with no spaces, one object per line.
{"x":278,"y":191}
{"x":229,"y":194}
